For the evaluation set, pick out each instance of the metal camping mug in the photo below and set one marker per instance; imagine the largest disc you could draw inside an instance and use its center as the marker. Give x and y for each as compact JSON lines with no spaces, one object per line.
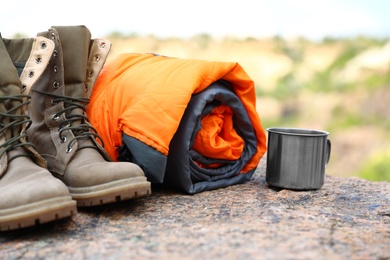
{"x":297,"y":158}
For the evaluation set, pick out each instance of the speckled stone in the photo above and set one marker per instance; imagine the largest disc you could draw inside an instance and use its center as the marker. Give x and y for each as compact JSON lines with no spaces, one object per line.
{"x":348,"y":218}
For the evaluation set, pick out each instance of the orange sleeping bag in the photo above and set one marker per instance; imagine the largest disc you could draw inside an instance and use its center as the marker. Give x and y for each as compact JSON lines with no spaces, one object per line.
{"x":140,"y":100}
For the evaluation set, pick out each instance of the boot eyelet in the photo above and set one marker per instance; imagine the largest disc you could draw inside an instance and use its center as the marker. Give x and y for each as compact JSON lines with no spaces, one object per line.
{"x":38,"y":59}
{"x":56,"y":84}
{"x":43,"y":45}
{"x":55,"y":68}
{"x":90,"y":74}
{"x":24,"y":87}
{"x":55,"y":53}
{"x":102,"y":45}
{"x":53,"y":36}
{"x":97,"y":58}
{"x":31,"y":74}
{"x":63,"y":140}
{"x":53,"y":102}
{"x":56,"y":117}
{"x":68,"y":150}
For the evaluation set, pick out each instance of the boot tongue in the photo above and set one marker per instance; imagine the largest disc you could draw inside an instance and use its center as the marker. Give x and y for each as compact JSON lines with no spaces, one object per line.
{"x":75,"y":41}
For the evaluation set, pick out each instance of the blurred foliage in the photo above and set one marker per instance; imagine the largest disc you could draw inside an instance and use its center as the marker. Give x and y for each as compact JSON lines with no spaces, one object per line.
{"x":203,"y":40}
{"x":345,"y":120}
{"x":19,"y":36}
{"x":324,"y":81}
{"x":121,"y":35}
{"x":116,"y":35}
{"x":287,"y":87}
{"x":376,"y":168}
{"x":375,"y":81}
{"x":285,"y":121}
{"x":293,"y":51}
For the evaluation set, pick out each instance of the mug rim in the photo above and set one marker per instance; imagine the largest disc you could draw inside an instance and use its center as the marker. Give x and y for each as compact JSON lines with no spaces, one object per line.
{"x":297,"y":131}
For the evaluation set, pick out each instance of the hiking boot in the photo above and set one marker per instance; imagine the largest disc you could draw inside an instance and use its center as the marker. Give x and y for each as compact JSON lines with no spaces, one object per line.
{"x":29,"y":194}
{"x":60,"y":129}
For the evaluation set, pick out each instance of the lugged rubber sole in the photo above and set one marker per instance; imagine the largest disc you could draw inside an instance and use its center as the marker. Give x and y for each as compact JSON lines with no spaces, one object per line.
{"x":37,"y":213}
{"x":111,"y":192}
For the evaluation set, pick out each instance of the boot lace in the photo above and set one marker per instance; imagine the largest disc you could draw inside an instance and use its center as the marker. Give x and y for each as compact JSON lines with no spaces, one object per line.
{"x":78,"y":123}
{"x":15,"y":120}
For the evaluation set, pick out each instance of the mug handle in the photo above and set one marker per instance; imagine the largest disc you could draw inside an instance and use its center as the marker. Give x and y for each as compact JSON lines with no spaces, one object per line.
{"x":328,"y":149}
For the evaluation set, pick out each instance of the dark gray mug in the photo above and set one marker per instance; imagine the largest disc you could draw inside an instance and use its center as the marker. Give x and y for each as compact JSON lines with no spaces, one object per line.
{"x":297,"y":158}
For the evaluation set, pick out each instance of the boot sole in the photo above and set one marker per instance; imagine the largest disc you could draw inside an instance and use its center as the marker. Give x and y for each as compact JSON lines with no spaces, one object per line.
{"x":111,"y":192}
{"x":37,"y":213}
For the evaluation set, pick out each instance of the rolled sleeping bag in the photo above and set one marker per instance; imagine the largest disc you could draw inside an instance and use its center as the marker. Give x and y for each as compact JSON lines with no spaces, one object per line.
{"x":189,"y":123}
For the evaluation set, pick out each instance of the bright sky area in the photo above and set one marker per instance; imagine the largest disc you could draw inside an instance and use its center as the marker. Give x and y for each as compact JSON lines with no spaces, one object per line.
{"x":313,"y":19}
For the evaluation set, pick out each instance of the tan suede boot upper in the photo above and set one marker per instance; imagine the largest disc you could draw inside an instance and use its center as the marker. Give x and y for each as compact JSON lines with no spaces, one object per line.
{"x":29,"y":194}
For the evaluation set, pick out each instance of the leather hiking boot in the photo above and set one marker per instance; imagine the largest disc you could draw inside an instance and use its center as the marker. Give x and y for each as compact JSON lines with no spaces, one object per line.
{"x":60,"y":129}
{"x":29,"y":194}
